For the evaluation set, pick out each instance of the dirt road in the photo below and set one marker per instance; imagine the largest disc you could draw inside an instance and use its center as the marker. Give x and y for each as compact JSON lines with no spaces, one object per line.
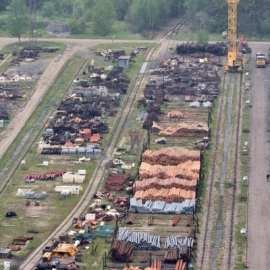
{"x":259,"y":188}
{"x":18,"y":122}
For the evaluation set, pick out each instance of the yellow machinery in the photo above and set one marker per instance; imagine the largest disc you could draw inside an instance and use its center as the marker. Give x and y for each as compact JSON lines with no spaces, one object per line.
{"x":235,"y":58}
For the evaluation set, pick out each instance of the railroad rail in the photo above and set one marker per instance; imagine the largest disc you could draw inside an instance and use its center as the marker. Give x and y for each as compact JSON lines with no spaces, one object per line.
{"x":45,"y":114}
{"x":92,"y":187}
{"x":235,"y":171}
{"x":219,"y":170}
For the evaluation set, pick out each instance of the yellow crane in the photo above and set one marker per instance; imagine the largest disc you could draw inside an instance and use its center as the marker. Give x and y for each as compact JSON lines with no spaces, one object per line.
{"x":234,"y":61}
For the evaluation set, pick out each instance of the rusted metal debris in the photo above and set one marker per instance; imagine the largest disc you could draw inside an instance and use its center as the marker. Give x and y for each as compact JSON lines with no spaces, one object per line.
{"x":217,"y":49}
{"x":175,"y":220}
{"x":116,"y":181}
{"x":150,"y":220}
{"x":131,"y":219}
{"x":121,"y":251}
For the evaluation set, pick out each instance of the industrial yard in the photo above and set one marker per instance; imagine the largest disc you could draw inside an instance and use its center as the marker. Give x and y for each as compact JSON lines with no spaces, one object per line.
{"x":122,"y":170}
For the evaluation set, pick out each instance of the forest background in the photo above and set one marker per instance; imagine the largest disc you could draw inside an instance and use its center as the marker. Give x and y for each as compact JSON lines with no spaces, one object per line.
{"x":90,"y":18}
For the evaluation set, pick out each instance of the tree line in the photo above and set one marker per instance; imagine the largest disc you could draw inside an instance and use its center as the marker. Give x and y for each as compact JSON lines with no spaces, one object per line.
{"x":138,"y":16}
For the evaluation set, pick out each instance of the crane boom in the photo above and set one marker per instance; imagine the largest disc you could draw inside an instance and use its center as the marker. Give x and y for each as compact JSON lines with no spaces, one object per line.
{"x":234,"y":59}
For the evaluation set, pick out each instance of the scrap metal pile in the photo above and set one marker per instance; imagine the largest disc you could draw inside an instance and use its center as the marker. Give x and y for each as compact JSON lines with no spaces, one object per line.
{"x":121,"y":251}
{"x":48,"y":175}
{"x":217,"y":49}
{"x":9,"y":96}
{"x":33,"y":52}
{"x":198,"y":81}
{"x":75,"y":121}
{"x":116,"y":181}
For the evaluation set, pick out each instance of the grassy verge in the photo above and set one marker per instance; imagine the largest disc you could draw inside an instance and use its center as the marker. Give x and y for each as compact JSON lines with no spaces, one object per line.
{"x":242,"y":205}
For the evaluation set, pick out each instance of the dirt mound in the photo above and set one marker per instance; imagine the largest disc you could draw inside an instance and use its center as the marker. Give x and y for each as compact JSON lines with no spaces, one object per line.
{"x":58,"y":29}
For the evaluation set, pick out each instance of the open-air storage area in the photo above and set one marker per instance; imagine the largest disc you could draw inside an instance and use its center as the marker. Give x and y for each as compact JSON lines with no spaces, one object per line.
{"x":129,"y":161}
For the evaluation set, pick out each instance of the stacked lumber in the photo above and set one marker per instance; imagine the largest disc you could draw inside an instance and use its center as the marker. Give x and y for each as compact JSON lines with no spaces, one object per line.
{"x":156,"y":127}
{"x":168,"y":195}
{"x":165,"y":183}
{"x":187,"y":129}
{"x":187,"y":170}
{"x":180,"y":265}
{"x":175,"y":114}
{"x":156,"y":265}
{"x":170,"y":155}
{"x":179,"y":115}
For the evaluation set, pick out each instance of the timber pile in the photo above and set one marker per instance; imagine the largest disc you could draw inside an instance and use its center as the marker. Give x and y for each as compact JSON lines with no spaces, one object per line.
{"x":175,"y":114}
{"x":180,"y":115}
{"x":170,"y":155}
{"x":156,"y":265}
{"x":165,"y":183}
{"x":121,"y":251}
{"x":187,"y":170}
{"x":180,"y":265}
{"x":182,"y":129}
{"x":168,"y":195}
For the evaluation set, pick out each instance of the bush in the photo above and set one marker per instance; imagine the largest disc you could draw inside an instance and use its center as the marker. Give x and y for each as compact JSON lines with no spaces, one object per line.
{"x":202,"y":37}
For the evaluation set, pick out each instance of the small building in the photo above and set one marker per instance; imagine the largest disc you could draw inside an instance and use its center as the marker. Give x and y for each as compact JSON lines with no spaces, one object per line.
{"x":70,"y":177}
{"x":5,"y":253}
{"x":89,"y":91}
{"x":123,"y":61}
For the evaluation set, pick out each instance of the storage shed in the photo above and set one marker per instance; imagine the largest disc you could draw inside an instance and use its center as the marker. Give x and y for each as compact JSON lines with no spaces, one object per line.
{"x":5,"y":253}
{"x":68,"y":177}
{"x":123,"y":61}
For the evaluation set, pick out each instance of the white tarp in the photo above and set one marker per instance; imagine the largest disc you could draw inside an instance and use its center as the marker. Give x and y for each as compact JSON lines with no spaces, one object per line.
{"x":6,"y":265}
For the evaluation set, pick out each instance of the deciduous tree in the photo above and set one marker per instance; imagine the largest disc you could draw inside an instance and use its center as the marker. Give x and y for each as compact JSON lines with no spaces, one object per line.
{"x":103,"y":17}
{"x":17,"y":23}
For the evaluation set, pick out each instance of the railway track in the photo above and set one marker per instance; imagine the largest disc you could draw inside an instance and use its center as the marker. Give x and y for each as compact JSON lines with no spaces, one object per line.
{"x":22,"y":151}
{"x":226,"y":142}
{"x":96,"y":178}
{"x":235,"y":174}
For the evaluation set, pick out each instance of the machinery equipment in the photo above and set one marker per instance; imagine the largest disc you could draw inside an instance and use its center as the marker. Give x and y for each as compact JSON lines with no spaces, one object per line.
{"x":260,"y":60}
{"x":235,"y":57}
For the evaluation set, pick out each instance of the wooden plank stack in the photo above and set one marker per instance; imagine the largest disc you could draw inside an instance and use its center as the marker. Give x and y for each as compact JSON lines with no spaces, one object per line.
{"x":180,"y":115}
{"x":166,"y":195}
{"x":187,"y":170}
{"x":186,"y":129}
{"x":170,"y":156}
{"x":170,"y":174}
{"x":159,"y":183}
